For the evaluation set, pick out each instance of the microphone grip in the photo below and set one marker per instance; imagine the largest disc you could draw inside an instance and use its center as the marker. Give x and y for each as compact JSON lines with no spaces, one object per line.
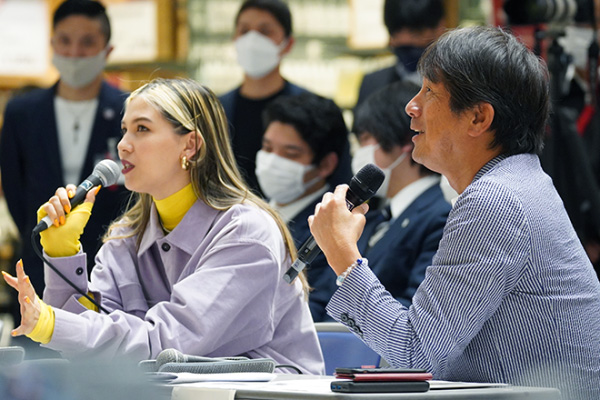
{"x":80,"y":194}
{"x":306,"y":255}
{"x":309,"y":251}
{"x":77,"y":199}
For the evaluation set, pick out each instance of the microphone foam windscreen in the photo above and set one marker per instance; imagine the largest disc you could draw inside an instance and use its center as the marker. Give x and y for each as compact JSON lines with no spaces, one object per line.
{"x":221,"y":367}
{"x":169,"y":356}
{"x":108,"y":171}
{"x":366,"y":181}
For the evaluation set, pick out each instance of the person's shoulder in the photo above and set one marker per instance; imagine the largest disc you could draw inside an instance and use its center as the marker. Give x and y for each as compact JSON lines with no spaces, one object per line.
{"x":250,"y":221}
{"x":229,"y":94}
{"x":495,"y":193}
{"x":31,"y":98}
{"x":228,"y":99}
{"x":294,"y":89}
{"x":113,"y":93}
{"x":380,"y":77}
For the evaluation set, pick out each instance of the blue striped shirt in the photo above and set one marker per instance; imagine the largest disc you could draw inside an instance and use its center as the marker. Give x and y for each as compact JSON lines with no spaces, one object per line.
{"x":510,"y":296}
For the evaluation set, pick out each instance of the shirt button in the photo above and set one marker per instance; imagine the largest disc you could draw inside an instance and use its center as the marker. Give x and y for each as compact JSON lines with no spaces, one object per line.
{"x":166,"y":246}
{"x":344,"y":317}
{"x":79,"y":271}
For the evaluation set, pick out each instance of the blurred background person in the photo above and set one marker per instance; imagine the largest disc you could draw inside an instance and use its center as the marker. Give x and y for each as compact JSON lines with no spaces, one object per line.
{"x":412,"y":26}
{"x":55,"y":136}
{"x":263,"y":35}
{"x":400,"y":239}
{"x":195,"y":264}
{"x":302,"y":146}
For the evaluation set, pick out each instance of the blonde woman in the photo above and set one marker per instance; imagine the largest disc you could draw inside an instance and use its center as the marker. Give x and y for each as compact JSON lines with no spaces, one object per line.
{"x":195,"y":264}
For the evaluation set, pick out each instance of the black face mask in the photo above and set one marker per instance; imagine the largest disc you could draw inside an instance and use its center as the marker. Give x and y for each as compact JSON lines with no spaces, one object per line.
{"x":408,"y":56}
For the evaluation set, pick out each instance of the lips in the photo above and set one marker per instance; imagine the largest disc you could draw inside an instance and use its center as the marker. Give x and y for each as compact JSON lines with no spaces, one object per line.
{"x":127,"y":166}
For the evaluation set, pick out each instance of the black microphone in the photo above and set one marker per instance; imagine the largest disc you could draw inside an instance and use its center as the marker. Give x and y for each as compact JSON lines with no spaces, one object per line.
{"x":105,"y":173}
{"x":362,"y":187}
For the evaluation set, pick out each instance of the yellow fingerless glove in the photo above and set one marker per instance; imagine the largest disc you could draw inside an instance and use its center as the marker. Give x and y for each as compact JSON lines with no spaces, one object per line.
{"x":43,"y":330}
{"x":63,"y":241}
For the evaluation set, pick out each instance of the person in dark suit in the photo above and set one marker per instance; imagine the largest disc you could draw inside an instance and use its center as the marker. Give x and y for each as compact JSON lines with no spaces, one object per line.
{"x":301,"y":150}
{"x":55,"y":136}
{"x":263,"y":35}
{"x":400,"y":239}
{"x":412,"y":25}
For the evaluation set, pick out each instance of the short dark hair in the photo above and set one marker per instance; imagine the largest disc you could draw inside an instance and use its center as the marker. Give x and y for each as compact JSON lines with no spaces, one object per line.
{"x":89,"y":8}
{"x":489,"y":65}
{"x":382,"y":115}
{"x":277,"y":8}
{"x":414,"y":15}
{"x":317,"y":120}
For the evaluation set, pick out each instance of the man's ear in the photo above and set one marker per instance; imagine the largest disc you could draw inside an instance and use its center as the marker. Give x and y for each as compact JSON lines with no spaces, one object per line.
{"x":109,"y":50}
{"x":288,"y":47}
{"x":482,"y":116}
{"x":327,"y":165}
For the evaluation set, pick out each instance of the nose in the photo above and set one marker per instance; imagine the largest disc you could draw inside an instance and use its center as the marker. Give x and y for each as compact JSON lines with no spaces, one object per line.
{"x":124,"y":146}
{"x":72,"y":49}
{"x":412,"y":108}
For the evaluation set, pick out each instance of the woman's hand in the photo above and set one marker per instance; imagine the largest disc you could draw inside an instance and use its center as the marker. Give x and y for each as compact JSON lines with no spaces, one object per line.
{"x":337,"y":230}
{"x":28,"y":300}
{"x":62,"y":239}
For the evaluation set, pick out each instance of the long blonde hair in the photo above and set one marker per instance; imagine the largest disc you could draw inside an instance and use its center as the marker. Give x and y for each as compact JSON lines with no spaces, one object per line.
{"x":215,"y":178}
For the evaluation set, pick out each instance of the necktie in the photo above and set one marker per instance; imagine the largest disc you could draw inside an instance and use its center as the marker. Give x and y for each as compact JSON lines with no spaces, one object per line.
{"x":383,"y":224}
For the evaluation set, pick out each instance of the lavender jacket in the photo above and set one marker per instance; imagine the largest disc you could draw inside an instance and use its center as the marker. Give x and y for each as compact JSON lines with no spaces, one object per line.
{"x":211,"y":287}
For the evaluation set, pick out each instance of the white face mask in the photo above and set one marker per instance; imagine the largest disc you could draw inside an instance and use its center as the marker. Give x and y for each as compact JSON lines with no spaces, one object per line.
{"x":280,"y":179}
{"x":366,"y":155}
{"x":257,"y":54}
{"x":576,"y":42}
{"x":79,"y":71}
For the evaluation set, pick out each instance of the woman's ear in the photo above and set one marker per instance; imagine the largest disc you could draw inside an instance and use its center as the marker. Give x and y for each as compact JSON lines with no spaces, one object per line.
{"x":193,"y":144}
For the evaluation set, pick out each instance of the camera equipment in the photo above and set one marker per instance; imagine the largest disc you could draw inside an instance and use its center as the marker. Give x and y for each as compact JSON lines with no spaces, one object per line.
{"x":527,"y":12}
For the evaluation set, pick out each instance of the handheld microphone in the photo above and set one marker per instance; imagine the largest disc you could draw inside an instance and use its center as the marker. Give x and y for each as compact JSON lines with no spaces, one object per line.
{"x":105,"y":173}
{"x":171,"y":360}
{"x":175,"y":356}
{"x":362,"y":187}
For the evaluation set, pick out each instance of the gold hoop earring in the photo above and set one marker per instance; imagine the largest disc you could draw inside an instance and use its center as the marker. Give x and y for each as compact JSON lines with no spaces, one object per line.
{"x":185,"y":164}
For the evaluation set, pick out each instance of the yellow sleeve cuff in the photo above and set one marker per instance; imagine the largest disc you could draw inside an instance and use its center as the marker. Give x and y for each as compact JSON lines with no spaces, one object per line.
{"x":43,"y":330}
{"x":88,"y":304}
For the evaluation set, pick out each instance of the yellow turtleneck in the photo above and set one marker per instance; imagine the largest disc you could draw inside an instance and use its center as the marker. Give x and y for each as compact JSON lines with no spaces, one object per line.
{"x":172,"y":209}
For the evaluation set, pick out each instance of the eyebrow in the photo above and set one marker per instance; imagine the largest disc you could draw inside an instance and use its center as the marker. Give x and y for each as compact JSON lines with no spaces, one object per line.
{"x":293,"y":147}
{"x":138,"y":119}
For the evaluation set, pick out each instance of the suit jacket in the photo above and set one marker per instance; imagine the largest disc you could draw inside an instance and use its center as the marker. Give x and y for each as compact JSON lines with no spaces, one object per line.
{"x":399,"y":259}
{"x":32,"y":169}
{"x":376,"y":80}
{"x":321,"y":277}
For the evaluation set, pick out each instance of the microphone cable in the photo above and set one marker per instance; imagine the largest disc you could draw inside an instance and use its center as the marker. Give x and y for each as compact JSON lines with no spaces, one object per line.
{"x":38,"y":252}
{"x":290,"y":367}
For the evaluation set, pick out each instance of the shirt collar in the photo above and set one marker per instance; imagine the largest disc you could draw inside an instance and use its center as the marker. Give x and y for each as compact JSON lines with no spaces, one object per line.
{"x":289,"y":211}
{"x":187,"y":235}
{"x":488,"y":166}
{"x":408,"y":194}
